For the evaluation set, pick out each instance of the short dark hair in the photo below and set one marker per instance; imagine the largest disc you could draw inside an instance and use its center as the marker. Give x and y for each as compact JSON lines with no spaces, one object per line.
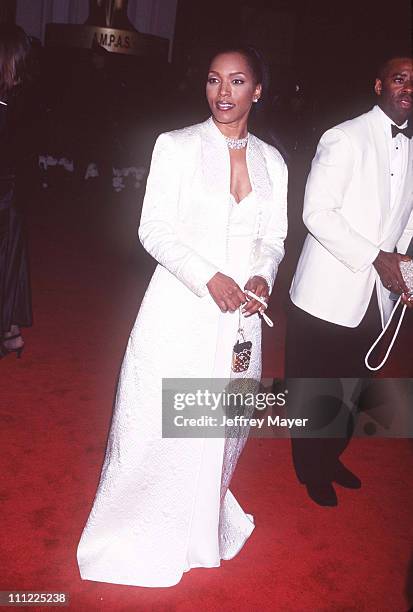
{"x":252,"y":55}
{"x":384,"y":64}
{"x":15,"y":48}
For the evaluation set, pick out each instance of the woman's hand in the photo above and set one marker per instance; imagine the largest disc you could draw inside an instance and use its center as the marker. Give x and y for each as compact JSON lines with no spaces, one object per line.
{"x":257,"y":285}
{"x":225,"y":292}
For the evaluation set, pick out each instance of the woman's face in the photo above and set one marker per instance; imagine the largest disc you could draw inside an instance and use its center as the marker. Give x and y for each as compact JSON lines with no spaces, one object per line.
{"x":231,"y":88}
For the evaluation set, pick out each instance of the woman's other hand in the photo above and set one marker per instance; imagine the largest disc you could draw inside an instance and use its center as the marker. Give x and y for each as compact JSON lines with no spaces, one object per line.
{"x":225,"y":292}
{"x":257,"y":285}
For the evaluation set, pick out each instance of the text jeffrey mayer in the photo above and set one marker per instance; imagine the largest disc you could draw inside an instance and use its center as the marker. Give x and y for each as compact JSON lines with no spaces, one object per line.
{"x":272,"y":421}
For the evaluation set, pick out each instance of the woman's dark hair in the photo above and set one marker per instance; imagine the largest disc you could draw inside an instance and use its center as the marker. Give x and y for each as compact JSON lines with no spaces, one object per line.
{"x":15,"y":55}
{"x":252,"y":56}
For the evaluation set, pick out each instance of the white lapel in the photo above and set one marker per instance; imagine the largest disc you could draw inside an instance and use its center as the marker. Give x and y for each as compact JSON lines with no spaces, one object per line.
{"x":257,"y":169}
{"x":260,"y":182}
{"x":216,"y":167}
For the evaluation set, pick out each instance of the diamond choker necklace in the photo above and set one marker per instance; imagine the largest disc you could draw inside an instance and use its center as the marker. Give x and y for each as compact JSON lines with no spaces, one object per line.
{"x":236,"y":143}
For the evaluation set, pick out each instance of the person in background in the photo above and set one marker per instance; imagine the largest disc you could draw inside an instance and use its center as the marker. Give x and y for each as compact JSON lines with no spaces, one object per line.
{"x":15,"y":295}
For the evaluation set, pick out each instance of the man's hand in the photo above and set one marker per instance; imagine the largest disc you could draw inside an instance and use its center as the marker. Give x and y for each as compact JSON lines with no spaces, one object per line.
{"x":225,"y":292}
{"x":408,"y":300}
{"x":257,"y":285}
{"x":387,"y":266}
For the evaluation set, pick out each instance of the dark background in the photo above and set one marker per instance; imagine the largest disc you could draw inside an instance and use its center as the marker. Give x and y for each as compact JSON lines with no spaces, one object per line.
{"x":330,"y":48}
{"x":322,"y":58}
{"x":92,"y":106}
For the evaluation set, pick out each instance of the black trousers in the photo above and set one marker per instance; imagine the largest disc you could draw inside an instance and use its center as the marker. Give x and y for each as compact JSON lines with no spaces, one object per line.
{"x":316,"y":349}
{"x":319,"y":349}
{"x":15,"y":295}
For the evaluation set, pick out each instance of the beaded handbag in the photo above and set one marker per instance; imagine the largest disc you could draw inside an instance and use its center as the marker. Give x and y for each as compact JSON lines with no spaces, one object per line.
{"x":406,"y":268}
{"x":241,"y":353}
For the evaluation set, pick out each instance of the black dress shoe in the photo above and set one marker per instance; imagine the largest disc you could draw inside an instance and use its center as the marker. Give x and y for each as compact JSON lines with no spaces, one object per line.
{"x":323,"y":494}
{"x":345,"y":478}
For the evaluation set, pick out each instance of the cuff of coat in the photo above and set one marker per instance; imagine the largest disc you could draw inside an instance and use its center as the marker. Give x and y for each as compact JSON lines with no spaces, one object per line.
{"x":203,"y":276}
{"x":269,"y":278}
{"x":404,"y":243}
{"x":369,"y":255}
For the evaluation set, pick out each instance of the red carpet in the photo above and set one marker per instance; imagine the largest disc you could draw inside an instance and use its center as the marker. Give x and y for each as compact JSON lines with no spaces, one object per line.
{"x":56,"y":407}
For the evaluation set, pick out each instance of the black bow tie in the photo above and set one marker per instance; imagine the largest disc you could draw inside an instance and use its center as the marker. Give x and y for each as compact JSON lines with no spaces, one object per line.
{"x":407,"y":131}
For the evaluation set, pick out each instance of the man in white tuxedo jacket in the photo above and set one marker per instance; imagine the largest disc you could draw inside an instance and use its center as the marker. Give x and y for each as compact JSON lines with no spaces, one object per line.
{"x":358,"y":210}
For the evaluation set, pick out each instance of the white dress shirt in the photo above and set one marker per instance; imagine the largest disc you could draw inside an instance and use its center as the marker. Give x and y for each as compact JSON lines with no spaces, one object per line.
{"x":398,"y":149}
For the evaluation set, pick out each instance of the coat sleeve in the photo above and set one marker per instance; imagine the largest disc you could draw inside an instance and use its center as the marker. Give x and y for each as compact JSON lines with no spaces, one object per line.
{"x":157,"y":229}
{"x":331,"y":172}
{"x":406,"y":237}
{"x":270,"y":251}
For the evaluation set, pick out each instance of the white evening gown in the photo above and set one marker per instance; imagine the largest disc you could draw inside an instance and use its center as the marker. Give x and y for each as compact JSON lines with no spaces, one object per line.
{"x":162,"y":505}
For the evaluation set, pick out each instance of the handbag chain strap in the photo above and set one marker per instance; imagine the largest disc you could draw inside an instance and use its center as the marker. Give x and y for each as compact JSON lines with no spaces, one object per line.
{"x":240,"y":331}
{"x":381,"y":364}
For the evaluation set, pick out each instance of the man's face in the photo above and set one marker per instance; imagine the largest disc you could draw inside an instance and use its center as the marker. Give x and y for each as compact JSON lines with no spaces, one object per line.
{"x":395,"y":89}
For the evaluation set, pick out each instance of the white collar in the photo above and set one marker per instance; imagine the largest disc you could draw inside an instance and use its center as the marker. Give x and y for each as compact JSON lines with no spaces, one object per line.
{"x":387,"y":122}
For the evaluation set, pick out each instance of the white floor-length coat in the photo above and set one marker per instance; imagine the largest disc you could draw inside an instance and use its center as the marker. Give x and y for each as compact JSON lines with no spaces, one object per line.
{"x":140,"y":524}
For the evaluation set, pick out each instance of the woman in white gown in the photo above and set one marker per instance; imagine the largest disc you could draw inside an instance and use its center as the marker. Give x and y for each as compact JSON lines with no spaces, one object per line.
{"x":214,"y":217}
